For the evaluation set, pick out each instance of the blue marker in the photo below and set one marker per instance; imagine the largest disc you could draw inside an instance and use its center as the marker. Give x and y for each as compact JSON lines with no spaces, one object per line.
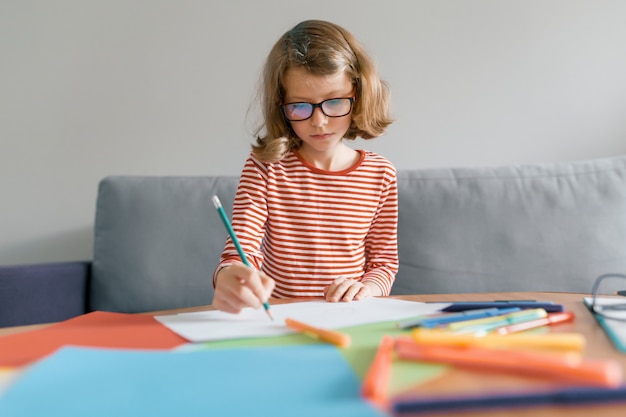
{"x":550,"y":307}
{"x":430,"y":322}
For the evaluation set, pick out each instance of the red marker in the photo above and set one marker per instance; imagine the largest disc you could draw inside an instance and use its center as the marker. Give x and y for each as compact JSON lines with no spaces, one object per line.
{"x":377,"y":378}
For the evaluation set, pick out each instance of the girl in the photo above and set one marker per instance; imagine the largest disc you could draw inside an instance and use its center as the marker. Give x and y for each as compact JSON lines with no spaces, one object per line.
{"x":314,"y":217}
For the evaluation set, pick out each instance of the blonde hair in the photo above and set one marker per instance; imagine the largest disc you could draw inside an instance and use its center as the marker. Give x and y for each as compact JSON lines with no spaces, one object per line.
{"x":322,"y":48}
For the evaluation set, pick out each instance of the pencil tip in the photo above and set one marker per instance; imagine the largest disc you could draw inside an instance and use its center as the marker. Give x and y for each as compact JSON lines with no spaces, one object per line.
{"x":266,"y":306}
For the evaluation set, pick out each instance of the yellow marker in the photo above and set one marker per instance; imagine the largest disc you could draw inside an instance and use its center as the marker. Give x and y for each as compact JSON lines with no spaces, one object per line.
{"x":564,"y":341}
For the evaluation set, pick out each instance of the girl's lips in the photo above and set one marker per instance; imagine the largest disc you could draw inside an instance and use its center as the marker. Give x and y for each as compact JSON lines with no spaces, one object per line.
{"x":321,"y":136}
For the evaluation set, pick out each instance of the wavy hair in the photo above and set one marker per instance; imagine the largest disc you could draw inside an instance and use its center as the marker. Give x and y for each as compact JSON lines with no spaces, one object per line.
{"x":322,"y":48}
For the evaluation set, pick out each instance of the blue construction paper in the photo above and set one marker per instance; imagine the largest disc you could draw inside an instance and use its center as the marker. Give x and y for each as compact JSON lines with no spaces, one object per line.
{"x":305,"y":381}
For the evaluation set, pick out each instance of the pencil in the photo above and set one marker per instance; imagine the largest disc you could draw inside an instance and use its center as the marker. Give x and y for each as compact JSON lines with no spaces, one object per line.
{"x":233,"y":237}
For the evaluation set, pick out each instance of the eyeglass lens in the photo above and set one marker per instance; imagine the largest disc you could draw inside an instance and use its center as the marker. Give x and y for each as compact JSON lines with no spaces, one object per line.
{"x":334,"y":107}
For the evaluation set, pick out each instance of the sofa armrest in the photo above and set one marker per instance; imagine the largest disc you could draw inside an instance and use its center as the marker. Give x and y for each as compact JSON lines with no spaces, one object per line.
{"x":43,"y":293}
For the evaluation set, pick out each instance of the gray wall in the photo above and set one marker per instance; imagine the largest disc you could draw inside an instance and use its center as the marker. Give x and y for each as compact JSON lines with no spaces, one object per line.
{"x":162,"y":87}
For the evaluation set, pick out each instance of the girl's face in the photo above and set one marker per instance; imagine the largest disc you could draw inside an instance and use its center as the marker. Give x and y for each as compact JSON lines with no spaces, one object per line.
{"x":319,"y":133}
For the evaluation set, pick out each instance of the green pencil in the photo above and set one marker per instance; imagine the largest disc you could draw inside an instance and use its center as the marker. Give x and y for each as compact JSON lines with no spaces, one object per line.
{"x":233,"y":237}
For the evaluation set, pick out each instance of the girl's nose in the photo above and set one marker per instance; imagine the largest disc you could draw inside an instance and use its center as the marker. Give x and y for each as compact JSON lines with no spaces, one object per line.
{"x":318,"y":118}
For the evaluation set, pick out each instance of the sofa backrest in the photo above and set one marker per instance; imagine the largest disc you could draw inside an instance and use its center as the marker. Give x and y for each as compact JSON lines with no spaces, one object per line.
{"x":534,"y":227}
{"x":539,"y":227}
{"x":157,"y":241}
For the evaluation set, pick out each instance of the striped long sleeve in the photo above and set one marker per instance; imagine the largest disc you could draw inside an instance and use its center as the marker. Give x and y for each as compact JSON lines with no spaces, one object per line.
{"x":305,"y":227}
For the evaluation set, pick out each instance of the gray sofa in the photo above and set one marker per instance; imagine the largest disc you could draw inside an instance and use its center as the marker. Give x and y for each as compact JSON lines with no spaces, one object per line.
{"x":535,"y":227}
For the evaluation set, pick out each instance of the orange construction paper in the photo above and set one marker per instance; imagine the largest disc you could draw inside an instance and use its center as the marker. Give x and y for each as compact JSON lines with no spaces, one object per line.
{"x":96,"y":329}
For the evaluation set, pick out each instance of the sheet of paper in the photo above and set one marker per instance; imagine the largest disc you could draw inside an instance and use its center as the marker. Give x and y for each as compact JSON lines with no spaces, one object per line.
{"x":217,"y":325}
{"x":304,"y":381}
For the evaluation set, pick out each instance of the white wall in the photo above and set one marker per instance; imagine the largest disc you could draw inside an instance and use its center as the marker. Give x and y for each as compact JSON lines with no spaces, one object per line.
{"x":161,"y":87}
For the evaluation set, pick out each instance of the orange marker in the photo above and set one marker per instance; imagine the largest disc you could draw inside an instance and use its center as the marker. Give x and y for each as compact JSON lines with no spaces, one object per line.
{"x":562,"y":341}
{"x":340,"y":339}
{"x":569,"y":367}
{"x":552,"y":318}
{"x":377,"y":378}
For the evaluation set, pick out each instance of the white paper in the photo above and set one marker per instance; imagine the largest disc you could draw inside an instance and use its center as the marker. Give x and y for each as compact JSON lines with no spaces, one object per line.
{"x":217,"y":325}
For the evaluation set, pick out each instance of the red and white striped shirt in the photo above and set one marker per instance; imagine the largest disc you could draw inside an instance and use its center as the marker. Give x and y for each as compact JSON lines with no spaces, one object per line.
{"x":305,"y":227}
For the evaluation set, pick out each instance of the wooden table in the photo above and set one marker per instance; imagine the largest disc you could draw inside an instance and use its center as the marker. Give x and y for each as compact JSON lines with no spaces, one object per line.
{"x":598,"y":347}
{"x":467,"y":381}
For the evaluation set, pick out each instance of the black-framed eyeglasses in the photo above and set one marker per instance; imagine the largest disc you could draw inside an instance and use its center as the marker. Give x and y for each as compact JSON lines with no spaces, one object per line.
{"x":333,"y":107}
{"x":616,"y":309}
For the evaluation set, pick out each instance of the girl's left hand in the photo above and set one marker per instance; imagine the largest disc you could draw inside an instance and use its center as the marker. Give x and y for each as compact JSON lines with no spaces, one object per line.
{"x":347,"y":289}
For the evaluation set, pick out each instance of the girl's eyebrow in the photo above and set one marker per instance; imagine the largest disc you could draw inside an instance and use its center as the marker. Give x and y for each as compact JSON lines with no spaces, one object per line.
{"x":302,"y":99}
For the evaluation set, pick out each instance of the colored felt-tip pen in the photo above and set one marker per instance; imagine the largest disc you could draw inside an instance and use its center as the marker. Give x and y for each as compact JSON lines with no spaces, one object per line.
{"x":336,"y":338}
{"x":377,"y":378}
{"x":552,"y":318}
{"x":549,"y":306}
{"x":561,"y":341}
{"x":569,"y":395}
{"x":447,"y":318}
{"x":491,"y":323}
{"x":567,"y":366}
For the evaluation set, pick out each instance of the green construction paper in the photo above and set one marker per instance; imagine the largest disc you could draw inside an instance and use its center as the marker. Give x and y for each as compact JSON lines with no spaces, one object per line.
{"x":404,"y":374}
{"x":365,"y":341}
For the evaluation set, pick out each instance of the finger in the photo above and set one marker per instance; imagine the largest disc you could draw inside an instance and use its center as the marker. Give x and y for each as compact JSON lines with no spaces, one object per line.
{"x":222,"y":304}
{"x":352,"y":291}
{"x":259,"y":285}
{"x":233,"y":290}
{"x":338,"y":288}
{"x":226,"y":303}
{"x":330,"y":288}
{"x":238,"y":296}
{"x":363,"y":293}
{"x":268,"y":285}
{"x":335,"y":284}
{"x":330,"y":291}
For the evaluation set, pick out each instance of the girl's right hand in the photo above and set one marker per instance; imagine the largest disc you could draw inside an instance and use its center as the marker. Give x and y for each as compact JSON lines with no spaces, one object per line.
{"x":238,"y":286}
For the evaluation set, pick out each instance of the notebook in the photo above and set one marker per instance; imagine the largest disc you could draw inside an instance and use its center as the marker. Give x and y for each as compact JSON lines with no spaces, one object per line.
{"x":615,"y":329}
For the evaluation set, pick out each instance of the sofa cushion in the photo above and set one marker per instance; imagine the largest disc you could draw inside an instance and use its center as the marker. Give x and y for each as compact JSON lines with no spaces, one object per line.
{"x":535,"y":227}
{"x":157,"y":241}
